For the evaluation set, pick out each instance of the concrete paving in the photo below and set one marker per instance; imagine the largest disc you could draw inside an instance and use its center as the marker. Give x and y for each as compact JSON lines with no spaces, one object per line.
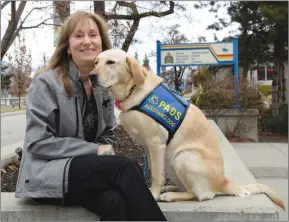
{"x":12,"y":128}
{"x":13,"y":113}
{"x":263,"y":154}
{"x":268,"y":162}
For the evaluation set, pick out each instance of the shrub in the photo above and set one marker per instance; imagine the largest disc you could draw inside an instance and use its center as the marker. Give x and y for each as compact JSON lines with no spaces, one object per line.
{"x":278,"y":124}
{"x":266,"y":90}
{"x":221,"y":94}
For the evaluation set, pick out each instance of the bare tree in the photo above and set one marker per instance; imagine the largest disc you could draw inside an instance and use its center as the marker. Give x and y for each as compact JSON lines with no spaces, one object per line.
{"x":146,"y":62}
{"x":124,"y":17}
{"x":17,"y":22}
{"x":20,"y":59}
{"x":174,"y":36}
{"x":5,"y":78}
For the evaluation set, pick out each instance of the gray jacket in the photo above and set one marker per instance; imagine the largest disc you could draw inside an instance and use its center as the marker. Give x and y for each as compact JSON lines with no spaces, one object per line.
{"x":54,"y":133}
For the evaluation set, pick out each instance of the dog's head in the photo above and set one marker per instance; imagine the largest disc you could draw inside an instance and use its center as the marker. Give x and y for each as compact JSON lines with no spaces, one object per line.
{"x":118,"y":72}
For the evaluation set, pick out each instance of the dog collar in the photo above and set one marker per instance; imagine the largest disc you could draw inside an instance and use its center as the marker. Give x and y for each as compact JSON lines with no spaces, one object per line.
{"x":117,"y":105}
{"x":117,"y":102}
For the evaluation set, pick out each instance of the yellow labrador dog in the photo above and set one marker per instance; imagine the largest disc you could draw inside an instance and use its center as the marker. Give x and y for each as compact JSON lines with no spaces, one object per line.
{"x":192,"y":157}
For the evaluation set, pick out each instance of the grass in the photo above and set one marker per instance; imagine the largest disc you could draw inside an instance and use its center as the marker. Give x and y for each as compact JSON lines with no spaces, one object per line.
{"x":10,"y":109}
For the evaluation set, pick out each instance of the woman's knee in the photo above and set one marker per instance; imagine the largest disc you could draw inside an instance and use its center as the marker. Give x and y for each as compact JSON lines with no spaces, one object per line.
{"x":115,"y":200}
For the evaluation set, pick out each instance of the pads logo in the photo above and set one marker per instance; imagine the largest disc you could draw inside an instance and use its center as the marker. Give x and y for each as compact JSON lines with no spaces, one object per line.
{"x":154,"y":99}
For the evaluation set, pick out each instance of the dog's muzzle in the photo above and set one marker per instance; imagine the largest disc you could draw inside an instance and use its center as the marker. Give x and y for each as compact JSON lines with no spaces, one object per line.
{"x":93,"y":77}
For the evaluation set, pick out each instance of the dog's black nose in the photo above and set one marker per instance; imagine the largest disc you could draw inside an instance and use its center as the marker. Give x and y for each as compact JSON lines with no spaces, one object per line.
{"x":93,"y":78}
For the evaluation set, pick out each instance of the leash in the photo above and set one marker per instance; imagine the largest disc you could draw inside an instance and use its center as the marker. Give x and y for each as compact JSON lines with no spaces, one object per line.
{"x":197,"y":101}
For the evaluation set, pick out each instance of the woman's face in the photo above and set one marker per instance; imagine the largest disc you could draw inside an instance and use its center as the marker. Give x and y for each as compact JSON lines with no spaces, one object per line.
{"x":85,"y":43}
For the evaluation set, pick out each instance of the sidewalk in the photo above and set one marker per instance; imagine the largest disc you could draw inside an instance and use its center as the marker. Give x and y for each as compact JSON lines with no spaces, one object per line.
{"x":268,"y":162}
{"x":13,"y":113}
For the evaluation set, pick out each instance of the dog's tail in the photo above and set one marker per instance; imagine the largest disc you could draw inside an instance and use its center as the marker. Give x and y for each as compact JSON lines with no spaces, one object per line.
{"x":228,"y":187}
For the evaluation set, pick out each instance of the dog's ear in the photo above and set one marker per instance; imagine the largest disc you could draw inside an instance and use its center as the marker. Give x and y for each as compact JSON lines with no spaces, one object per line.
{"x":137,"y":74}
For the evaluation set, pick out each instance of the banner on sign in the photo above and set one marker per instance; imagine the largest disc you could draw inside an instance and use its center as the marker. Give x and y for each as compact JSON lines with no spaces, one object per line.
{"x":197,"y":54}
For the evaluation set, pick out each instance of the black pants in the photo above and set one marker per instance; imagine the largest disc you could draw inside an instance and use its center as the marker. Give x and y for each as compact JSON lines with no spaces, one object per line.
{"x":113,"y":187}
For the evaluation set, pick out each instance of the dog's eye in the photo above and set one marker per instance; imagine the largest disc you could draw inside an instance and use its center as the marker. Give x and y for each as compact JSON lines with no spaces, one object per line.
{"x":95,"y":63}
{"x":109,"y":62}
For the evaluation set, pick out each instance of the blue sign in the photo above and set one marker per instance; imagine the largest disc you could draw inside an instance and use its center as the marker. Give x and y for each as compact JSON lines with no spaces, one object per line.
{"x":200,"y":54}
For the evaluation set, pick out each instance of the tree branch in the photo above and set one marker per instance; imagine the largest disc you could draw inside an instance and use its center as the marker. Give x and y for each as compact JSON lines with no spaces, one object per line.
{"x":12,"y":27}
{"x":37,"y":8}
{"x":36,"y":26}
{"x":131,"y":5}
{"x":141,"y":15}
{"x":4,"y":4}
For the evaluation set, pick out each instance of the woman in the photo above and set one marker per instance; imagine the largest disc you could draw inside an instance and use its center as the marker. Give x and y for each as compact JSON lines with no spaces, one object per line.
{"x":68,"y":149}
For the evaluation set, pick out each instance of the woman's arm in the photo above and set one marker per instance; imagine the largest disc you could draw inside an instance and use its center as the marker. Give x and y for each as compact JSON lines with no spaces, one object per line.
{"x":42,"y":108}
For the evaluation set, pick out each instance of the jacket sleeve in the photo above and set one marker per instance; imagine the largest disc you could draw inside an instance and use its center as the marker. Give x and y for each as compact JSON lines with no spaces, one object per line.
{"x":109,"y":136}
{"x":41,"y":127}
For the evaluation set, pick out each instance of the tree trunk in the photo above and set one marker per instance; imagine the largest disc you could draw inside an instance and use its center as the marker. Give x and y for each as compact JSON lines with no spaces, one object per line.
{"x":245,"y":70}
{"x":10,"y":33}
{"x":176,"y":79}
{"x":19,"y":99}
{"x":99,"y":8}
{"x":275,"y":88}
{"x":130,"y":35}
{"x":283,"y":84}
{"x":62,"y":8}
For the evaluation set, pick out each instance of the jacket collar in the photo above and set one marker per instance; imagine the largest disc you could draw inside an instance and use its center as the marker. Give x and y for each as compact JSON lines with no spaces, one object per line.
{"x":75,"y":77}
{"x":73,"y":71}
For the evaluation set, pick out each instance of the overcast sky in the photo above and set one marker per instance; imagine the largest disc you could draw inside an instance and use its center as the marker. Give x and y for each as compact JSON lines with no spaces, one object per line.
{"x":40,"y":40}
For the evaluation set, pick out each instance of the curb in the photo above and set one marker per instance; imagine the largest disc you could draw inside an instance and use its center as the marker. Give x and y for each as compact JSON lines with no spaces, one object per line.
{"x":9,"y":159}
{"x":9,"y":155}
{"x":13,"y":113}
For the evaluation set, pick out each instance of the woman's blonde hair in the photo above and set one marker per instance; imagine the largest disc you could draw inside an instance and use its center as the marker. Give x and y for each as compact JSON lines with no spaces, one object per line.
{"x":60,"y":57}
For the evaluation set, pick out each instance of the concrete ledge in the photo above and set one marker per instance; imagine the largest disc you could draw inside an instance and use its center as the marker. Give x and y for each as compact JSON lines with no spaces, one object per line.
{"x":222,"y":208}
{"x":245,"y":122}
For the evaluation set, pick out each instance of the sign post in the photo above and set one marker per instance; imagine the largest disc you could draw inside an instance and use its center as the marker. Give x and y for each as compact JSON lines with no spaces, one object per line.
{"x":200,"y":54}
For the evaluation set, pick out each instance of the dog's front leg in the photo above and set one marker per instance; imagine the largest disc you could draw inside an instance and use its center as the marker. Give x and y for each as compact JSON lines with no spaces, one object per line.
{"x":157,"y":166}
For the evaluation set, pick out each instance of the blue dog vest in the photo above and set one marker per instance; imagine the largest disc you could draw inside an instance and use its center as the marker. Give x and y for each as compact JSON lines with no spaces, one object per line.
{"x":165,"y":107}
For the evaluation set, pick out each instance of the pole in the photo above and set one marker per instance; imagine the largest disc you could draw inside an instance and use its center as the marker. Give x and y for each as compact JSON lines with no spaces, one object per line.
{"x":158,"y":57}
{"x":236,"y":71}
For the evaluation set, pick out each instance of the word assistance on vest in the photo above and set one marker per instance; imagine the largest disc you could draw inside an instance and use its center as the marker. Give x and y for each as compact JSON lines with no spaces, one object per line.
{"x":166,"y":107}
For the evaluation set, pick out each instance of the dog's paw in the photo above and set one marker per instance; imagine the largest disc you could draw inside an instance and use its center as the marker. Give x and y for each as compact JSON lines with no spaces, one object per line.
{"x":169,"y":188}
{"x":156,"y":195}
{"x":168,"y":197}
{"x":164,"y":189}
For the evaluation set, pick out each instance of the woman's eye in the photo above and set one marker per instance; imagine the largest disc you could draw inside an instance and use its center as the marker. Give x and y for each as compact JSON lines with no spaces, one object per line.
{"x":109,"y":62}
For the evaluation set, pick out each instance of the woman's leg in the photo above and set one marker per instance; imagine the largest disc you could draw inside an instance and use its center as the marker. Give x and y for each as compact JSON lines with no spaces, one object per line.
{"x":96,"y":181}
{"x":109,"y":205}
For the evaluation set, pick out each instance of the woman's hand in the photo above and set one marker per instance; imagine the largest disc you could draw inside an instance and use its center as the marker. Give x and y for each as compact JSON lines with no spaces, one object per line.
{"x":105,"y":150}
